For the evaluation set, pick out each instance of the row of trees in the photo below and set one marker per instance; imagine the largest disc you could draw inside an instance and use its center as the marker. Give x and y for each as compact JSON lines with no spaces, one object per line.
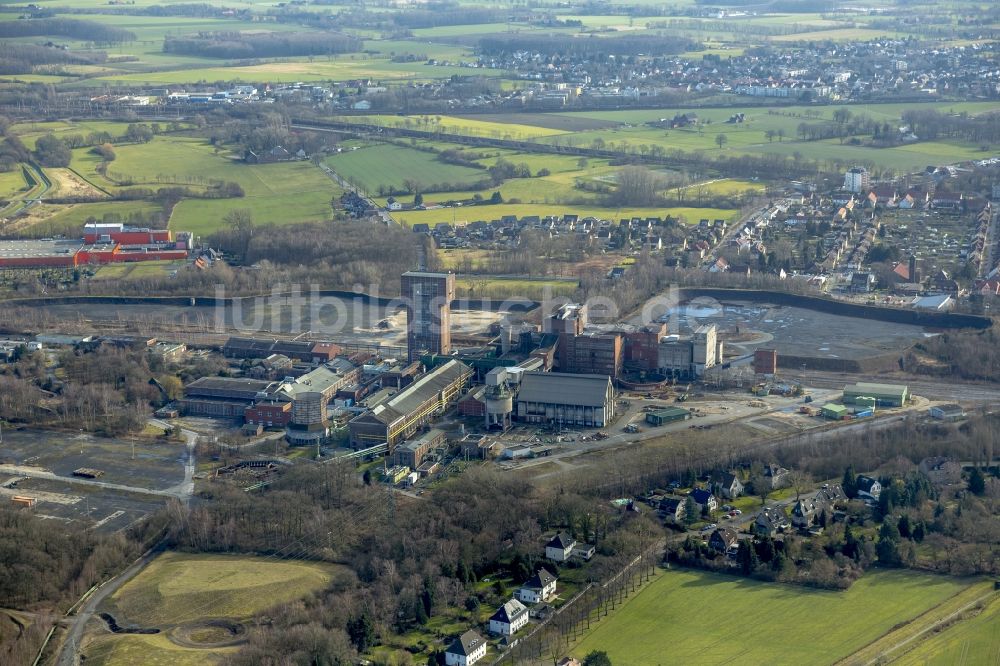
{"x":238,"y":45}
{"x":87,"y":31}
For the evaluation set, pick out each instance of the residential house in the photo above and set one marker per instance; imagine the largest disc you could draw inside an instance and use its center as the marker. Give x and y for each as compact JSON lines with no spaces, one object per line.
{"x":729,"y":485}
{"x":941,"y":470}
{"x":538,"y":588}
{"x":769,"y":522}
{"x":509,"y":618}
{"x":672,"y":509}
{"x":776,"y":474}
{"x":868,"y":488}
{"x":723,"y":539}
{"x":705,"y":498}
{"x":466,"y":650}
{"x":560,"y":547}
{"x":583,"y":551}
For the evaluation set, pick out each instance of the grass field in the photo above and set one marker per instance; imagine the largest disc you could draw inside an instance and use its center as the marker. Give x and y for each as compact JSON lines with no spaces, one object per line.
{"x":179,"y":588}
{"x":970,"y":642}
{"x":12,"y":183}
{"x":387,"y":164}
{"x":68,"y":219}
{"x":513,"y":288}
{"x":151,"y":650}
{"x":703,"y":618}
{"x":29,"y":132}
{"x":459,"y":125}
{"x":279,"y":193}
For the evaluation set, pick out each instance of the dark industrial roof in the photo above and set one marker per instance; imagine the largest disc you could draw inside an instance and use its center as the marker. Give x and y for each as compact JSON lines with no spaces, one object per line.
{"x":419,"y":392}
{"x":564,"y":389}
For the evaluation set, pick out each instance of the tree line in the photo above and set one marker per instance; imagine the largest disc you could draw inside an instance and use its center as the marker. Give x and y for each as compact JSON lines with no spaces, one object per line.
{"x":88,"y":31}
{"x":241,"y":45}
{"x":598,"y":49}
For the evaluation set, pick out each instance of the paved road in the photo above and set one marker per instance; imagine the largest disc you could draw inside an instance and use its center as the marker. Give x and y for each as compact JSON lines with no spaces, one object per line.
{"x":185,"y":488}
{"x":69,"y":652}
{"x":38,"y":473}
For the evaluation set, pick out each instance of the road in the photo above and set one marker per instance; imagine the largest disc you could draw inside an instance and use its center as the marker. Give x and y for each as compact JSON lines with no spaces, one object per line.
{"x":335,"y":177}
{"x":185,"y":488}
{"x":69,"y":651}
{"x":39,"y":473}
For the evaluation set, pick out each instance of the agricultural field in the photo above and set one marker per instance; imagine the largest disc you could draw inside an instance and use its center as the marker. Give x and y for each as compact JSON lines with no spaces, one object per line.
{"x":968,"y":642}
{"x":386,"y":165}
{"x":765,"y":130}
{"x":466,"y":126}
{"x":198,"y":603}
{"x":278,"y":193}
{"x":669,"y":617}
{"x":12,"y":183}
{"x":47,"y":220}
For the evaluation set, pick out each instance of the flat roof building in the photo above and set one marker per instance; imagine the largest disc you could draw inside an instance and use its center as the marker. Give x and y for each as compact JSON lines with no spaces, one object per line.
{"x":885,"y":395}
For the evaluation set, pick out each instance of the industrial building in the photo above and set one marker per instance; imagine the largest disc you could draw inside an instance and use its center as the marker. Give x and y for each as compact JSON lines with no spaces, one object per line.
{"x":688,"y":358}
{"x":878,"y":395}
{"x":223,"y":397}
{"x":399,"y":417}
{"x":310,"y":395}
{"x":667,"y":415}
{"x":566,"y":399}
{"x":101,"y":244}
{"x":411,"y":454}
{"x":428,"y":298}
{"x":302,"y":350}
{"x":580,"y":348}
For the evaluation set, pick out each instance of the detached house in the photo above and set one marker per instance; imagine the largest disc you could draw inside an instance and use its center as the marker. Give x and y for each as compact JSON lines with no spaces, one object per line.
{"x":729,"y":486}
{"x":869,"y":488}
{"x":769,"y":522}
{"x":672,"y":509}
{"x":509,"y":618}
{"x":705,"y":498}
{"x":560,"y":548}
{"x":538,"y":588}
{"x":723,"y":539}
{"x":467,"y":649}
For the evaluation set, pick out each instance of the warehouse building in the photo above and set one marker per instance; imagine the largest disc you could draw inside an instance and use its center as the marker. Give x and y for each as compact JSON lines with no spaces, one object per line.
{"x":566,"y":399}
{"x":884,"y":395}
{"x":300,"y":350}
{"x":667,"y":415}
{"x":223,"y":397}
{"x":394,"y":420}
{"x":101,"y":244}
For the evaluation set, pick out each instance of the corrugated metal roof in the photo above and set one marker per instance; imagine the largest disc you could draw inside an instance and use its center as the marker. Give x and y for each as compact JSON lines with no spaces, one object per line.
{"x":884,"y":389}
{"x":564,"y":389}
{"x":420,"y":391}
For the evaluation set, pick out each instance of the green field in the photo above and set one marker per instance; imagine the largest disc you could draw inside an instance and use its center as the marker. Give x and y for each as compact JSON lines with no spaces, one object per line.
{"x":703,"y":618}
{"x":12,"y":183}
{"x":970,"y":642}
{"x":152,"y":650}
{"x":279,"y":193}
{"x":390,"y":165}
{"x":179,"y":588}
{"x":29,"y":132}
{"x":68,"y":219}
